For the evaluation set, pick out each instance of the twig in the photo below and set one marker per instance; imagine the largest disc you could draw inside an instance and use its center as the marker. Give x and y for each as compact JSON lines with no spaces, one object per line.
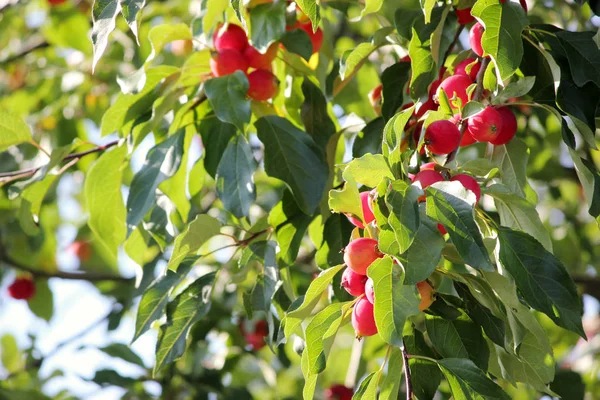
{"x":477,"y":94}
{"x":30,"y":49}
{"x":409,"y":390}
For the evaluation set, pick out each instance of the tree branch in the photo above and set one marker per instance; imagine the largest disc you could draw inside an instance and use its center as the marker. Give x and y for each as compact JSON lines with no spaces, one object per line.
{"x":477,"y":95}
{"x":30,"y":49}
{"x":409,"y":390}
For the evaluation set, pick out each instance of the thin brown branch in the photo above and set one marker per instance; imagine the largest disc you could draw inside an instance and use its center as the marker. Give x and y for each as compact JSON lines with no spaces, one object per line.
{"x":409,"y":389}
{"x":477,"y":95}
{"x":30,"y":49}
{"x":588,"y":284}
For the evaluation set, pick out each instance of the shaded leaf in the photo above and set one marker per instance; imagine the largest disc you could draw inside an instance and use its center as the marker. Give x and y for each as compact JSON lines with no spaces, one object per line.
{"x":228,"y":97}
{"x":196,"y":233}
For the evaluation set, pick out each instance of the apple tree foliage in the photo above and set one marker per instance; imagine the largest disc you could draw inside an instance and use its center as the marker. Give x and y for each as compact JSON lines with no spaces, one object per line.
{"x":236,"y":216}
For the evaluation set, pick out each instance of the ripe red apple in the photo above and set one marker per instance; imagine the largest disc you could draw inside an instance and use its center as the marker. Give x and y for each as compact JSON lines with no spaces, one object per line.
{"x":469,"y":183}
{"x":442,"y":137}
{"x":316,"y":38}
{"x":426,"y":178}
{"x":258,"y":60}
{"x":509,"y":126}
{"x":467,"y":139}
{"x":464,"y":16}
{"x":456,"y":86}
{"x":81,"y":249}
{"x":353,"y":282}
{"x":367,"y":212}
{"x":227,"y":61}
{"x":339,"y":392}
{"x":486,"y":126}
{"x":256,"y":338}
{"x":475,"y":35}
{"x":461,"y":68}
{"x":428,"y":166}
{"x":360,"y":254}
{"x":22,"y":289}
{"x":232,"y":37}
{"x":263,"y":85}
{"x":370,"y":291}
{"x":363,"y":318}
{"x":427,"y":295}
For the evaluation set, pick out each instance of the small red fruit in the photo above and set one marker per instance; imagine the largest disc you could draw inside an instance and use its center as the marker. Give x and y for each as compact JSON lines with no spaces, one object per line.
{"x":441,"y":229}
{"x":461,"y":68}
{"x":353,"y":282}
{"x":258,"y":60}
{"x":475,"y":35}
{"x":360,"y":254}
{"x":375,"y":98}
{"x":464,"y":16}
{"x":442,"y":137}
{"x":368,"y":215}
{"x":370,"y":291}
{"x":233,"y":37}
{"x":22,"y":289}
{"x":363,"y":318}
{"x":263,"y":85}
{"x":509,"y":126}
{"x":455,"y":87}
{"x":467,"y":139}
{"x":316,"y":38}
{"x":426,"y":178}
{"x":487,"y":125}
{"x":406,"y":58}
{"x":227,"y":61}
{"x":426,"y":292}
{"x":81,"y":249}
{"x":255,"y":339}
{"x":430,"y":166}
{"x":469,"y":183}
{"x":339,"y":392}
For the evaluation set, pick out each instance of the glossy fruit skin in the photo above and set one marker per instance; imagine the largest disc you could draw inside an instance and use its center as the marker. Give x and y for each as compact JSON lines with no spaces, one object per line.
{"x":442,"y":137}
{"x":426,"y":178}
{"x":256,"y":339}
{"x":464,"y":16}
{"x":441,"y":228}
{"x":22,"y":289}
{"x":339,"y":392}
{"x":487,"y":125}
{"x":469,"y":183}
{"x":81,"y":249}
{"x":467,"y":139}
{"x":258,"y":60}
{"x":360,"y":253}
{"x":430,"y":166}
{"x":456,"y":86}
{"x":509,"y":126}
{"x":475,"y":35}
{"x":316,"y":38}
{"x":426,"y":292}
{"x":353,"y":282}
{"x":367,"y":212}
{"x":233,"y":37}
{"x":461,"y":68}
{"x":370,"y":291}
{"x":363,"y":318}
{"x":227,"y":61}
{"x":263,"y":85}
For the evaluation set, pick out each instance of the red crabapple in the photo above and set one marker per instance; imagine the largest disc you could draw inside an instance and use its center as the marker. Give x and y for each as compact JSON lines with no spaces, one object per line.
{"x":426,"y":178}
{"x":486,"y":125}
{"x":469,"y":183}
{"x":464,"y":16}
{"x":456,"y":86}
{"x":426,"y":292}
{"x":509,"y":126}
{"x":370,"y":291}
{"x":22,"y":289}
{"x":360,"y":254}
{"x":233,"y":37}
{"x":375,"y":98}
{"x":263,"y":85}
{"x":227,"y":61}
{"x":258,"y":60}
{"x":367,"y":212}
{"x":467,"y":139}
{"x":428,"y":166}
{"x":442,"y":137}
{"x":363,"y":318}
{"x":353,"y":282}
{"x":255,"y":339}
{"x":339,"y":392}
{"x":475,"y":35}
{"x":461,"y":68}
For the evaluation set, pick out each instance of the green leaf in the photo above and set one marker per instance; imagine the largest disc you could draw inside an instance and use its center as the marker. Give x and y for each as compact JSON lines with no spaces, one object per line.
{"x":404,"y":218}
{"x":517,"y":88}
{"x":297,"y":41}
{"x":321,"y":332}
{"x":347,"y":199}
{"x":10,"y":355}
{"x":154,"y":299}
{"x":469,"y":382}
{"x":352,"y":60}
{"x":31,"y":202}
{"x":336,"y":234}
{"x":511,"y":158}
{"x":162,"y":34}
{"x":459,"y":338}
{"x":367,"y":388}
{"x":582,"y":54}
{"x":310,"y":380}
{"x":162,"y":162}
{"x":13,"y":130}
{"x":472,"y":108}
{"x":292,"y":156}
{"x":371,"y":6}
{"x":369,"y":170}
{"x":42,"y":302}
{"x":503,"y":24}
{"x":235,"y":177}
{"x":197,"y":232}
{"x":110,"y":377}
{"x":312,"y":10}
{"x":493,"y":326}
{"x":516,"y":212}
{"x":184,"y":311}
{"x":391,"y":383}
{"x":131,"y":10}
{"x":589,"y":176}
{"x":216,"y":135}
{"x":314,"y":114}
{"x":541,"y":278}
{"x":425,"y":375}
{"x":451,"y":204}
{"x":228,"y":97}
{"x":267,"y":23}
{"x":404,"y":19}
{"x":104,"y":19}
{"x":369,"y":140}
{"x":422,"y":63}
{"x":104,"y":200}
{"x":294,"y":316}
{"x":122,"y":351}
{"x":394,"y":79}
{"x":394,"y":301}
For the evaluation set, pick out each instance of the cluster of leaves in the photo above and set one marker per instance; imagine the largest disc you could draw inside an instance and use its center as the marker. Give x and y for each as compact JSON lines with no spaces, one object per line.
{"x":269,"y":175}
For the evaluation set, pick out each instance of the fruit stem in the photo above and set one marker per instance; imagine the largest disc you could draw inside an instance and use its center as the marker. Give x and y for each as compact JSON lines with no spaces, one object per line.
{"x":409,"y":390}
